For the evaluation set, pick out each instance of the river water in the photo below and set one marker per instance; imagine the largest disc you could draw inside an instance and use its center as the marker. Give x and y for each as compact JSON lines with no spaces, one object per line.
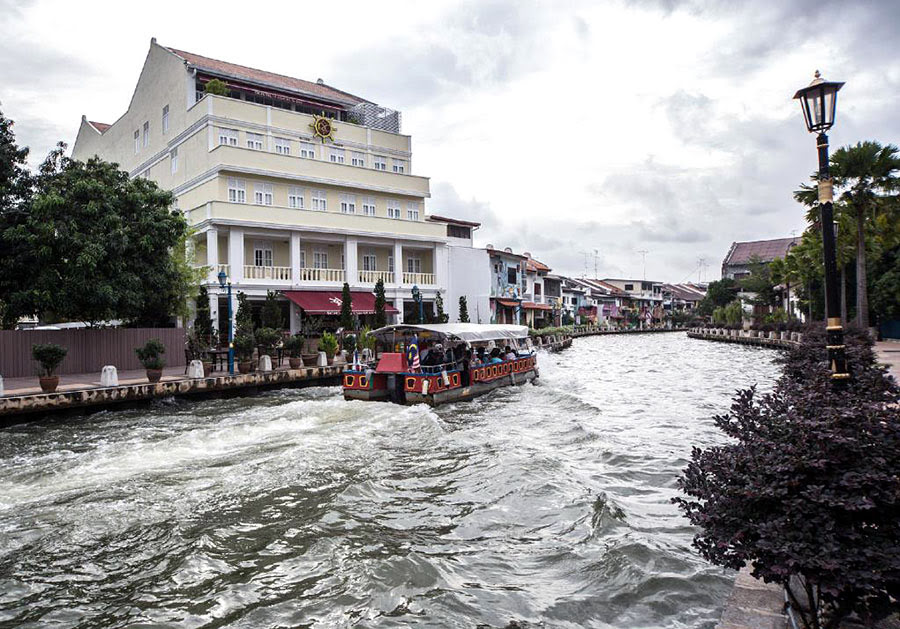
{"x":546,"y":505}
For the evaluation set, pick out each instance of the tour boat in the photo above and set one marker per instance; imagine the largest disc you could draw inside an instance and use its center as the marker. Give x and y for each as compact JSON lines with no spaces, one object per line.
{"x":399,"y":376}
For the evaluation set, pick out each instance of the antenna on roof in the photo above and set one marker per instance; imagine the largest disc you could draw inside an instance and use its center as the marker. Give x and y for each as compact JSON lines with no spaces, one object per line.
{"x":644,"y":253}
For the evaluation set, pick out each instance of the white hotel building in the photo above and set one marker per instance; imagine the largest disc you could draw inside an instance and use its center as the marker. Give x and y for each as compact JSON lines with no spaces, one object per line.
{"x":272,"y":202}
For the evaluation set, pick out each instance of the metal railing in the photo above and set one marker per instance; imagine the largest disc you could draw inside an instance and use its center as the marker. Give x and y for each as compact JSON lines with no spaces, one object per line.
{"x":321,"y":275}
{"x":277,"y":273}
{"x":371,"y":277}
{"x":418,"y":278}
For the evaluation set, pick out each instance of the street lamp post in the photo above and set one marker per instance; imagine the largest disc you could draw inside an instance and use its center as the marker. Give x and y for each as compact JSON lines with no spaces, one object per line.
{"x":222,"y":283}
{"x":818,"y":101}
{"x":417,"y":297}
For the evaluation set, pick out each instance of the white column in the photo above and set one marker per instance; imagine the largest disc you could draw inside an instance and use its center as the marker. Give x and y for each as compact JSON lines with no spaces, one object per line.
{"x":351,"y":265}
{"x":398,"y":304}
{"x":295,"y":261}
{"x":212,"y":254}
{"x":398,"y":264}
{"x":236,"y":255}
{"x":214,"y":305}
{"x":439,"y":266}
{"x":295,"y":318}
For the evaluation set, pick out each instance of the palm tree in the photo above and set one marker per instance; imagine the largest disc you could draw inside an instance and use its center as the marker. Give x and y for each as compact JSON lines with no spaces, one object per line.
{"x":867,"y":177}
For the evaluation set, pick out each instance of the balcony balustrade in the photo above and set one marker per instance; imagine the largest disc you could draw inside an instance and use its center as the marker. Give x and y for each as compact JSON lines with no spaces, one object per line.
{"x":421,"y":279}
{"x":322,"y":275}
{"x":276,"y":273}
{"x":372,"y":277}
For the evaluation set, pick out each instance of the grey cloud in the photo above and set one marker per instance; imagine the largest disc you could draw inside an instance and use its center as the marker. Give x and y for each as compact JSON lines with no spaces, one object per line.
{"x":446,"y":201}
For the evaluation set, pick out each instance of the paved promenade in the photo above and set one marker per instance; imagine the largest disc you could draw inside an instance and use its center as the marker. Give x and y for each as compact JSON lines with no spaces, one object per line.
{"x":889,"y":354}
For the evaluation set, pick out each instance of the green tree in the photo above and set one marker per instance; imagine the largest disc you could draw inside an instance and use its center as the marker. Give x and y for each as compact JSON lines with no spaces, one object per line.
{"x":270,"y":316}
{"x":380,"y":302}
{"x":440,"y":316}
{"x":463,"y":310}
{"x":216,"y":87}
{"x":243,"y":319}
{"x":718,"y":293}
{"x":203,"y":323}
{"x":97,"y":245}
{"x":866,"y":182}
{"x":760,"y":283}
{"x":346,"y":308}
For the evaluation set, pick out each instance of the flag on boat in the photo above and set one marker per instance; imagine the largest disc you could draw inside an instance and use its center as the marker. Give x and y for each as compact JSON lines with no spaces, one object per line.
{"x":412,"y":353}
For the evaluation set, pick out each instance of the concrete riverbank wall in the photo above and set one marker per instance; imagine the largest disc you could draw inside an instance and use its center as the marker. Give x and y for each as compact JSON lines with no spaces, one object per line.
{"x":761,"y":339}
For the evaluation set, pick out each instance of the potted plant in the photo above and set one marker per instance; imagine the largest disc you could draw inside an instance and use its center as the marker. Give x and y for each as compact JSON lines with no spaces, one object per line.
{"x":328,"y":344}
{"x":243,"y":347}
{"x":49,"y":356}
{"x":196,"y":348}
{"x":294,"y":348}
{"x":267,"y":339}
{"x":151,"y":358}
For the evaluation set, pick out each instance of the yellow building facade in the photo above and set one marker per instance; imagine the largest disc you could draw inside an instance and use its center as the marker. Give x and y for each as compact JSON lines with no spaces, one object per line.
{"x":289,"y":185}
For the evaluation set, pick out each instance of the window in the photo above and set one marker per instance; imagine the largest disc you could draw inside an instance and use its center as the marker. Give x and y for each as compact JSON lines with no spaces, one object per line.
{"x":413,"y":265}
{"x":228,"y":137}
{"x":282,"y":146}
{"x":380,"y":162}
{"x":262,"y":193}
{"x":137,"y":141}
{"x":458,"y":231}
{"x":391,"y":264}
{"x":511,"y":275}
{"x":412,"y":211}
{"x":399,"y":166}
{"x":165,"y":119}
{"x":308,"y":150}
{"x":174,"y":156}
{"x":319,"y":200}
{"x":295,"y":198}
{"x":358,"y":159}
{"x":237,"y":190}
{"x":537,"y":290}
{"x":262,"y":254}
{"x":147,"y":133}
{"x":303,"y":258}
{"x":369,"y":263}
{"x":368,"y":206}
{"x":629,"y":286}
{"x":336,"y":155}
{"x":348,"y":204}
{"x":320,"y":259}
{"x":393,"y":208}
{"x":255,"y":141}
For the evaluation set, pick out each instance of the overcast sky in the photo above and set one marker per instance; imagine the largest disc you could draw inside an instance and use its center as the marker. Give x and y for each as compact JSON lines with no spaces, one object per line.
{"x":565,"y":127}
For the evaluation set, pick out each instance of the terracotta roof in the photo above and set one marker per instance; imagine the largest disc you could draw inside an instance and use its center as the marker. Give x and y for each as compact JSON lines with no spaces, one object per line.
{"x":452,"y":221}
{"x":615,"y":290}
{"x":279,"y":81}
{"x":99,"y":126}
{"x":765,"y":250}
{"x":536,"y":265}
{"x":530,"y":305}
{"x":685,"y":292}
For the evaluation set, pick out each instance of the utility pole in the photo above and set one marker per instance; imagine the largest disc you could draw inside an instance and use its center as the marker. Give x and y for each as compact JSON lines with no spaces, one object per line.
{"x":644,"y":253}
{"x":701,"y":262}
{"x":596,"y":257}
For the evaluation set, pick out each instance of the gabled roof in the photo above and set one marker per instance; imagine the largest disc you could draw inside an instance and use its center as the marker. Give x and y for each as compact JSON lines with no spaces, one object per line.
{"x":765,"y":250}
{"x":99,"y":126}
{"x":536,"y":265}
{"x":686,"y":292}
{"x":269,"y":79}
{"x":453,"y":221}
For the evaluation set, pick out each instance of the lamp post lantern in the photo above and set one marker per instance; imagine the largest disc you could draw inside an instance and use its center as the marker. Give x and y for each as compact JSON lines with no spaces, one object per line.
{"x":222,"y":283}
{"x":818,"y":101}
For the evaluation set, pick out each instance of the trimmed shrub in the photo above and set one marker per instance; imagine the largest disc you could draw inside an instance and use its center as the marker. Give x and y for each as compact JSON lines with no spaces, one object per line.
{"x":49,"y":356}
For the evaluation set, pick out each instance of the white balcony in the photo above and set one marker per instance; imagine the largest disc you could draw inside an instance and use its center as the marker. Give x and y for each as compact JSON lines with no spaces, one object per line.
{"x":420,"y":279}
{"x":272,"y":273}
{"x":321,"y":275}
{"x":372,"y":277}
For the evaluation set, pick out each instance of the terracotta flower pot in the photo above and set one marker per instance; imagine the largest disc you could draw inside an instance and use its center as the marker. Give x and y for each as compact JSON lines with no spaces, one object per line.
{"x":207,"y":369}
{"x":295,"y":363}
{"x":310,"y":360}
{"x":330,"y":359}
{"x":153,"y":375}
{"x":244,"y":367}
{"x":49,"y":384}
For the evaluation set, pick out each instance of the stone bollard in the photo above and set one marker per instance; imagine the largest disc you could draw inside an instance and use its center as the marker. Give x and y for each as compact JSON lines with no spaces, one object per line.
{"x":322,"y":361}
{"x":109,"y":377}
{"x":195,"y":369}
{"x":265,"y":363}
{"x":1,"y":386}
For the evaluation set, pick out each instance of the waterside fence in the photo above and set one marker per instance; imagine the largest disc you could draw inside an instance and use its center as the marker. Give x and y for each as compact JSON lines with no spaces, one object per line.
{"x":779,"y":340}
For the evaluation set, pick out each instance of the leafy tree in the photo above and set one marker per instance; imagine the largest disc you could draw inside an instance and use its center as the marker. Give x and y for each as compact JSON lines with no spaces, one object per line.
{"x":760,"y":283}
{"x":463,"y":310}
{"x":346,"y":308}
{"x":807,"y":486}
{"x":203,"y":323}
{"x":243,"y":319}
{"x":718,"y":293}
{"x":441,"y":317}
{"x":866,"y":181}
{"x":216,"y":87}
{"x":885,"y":290}
{"x":380,"y":302}
{"x":95,"y":245}
{"x":270,"y":317}
{"x":734,"y":312}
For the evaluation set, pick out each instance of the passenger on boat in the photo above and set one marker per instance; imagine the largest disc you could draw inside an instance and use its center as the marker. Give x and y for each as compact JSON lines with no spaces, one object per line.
{"x":510,"y":354}
{"x":495,"y":356}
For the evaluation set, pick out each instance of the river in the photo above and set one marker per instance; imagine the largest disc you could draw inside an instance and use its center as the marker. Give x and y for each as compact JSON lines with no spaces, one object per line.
{"x":546,"y":505}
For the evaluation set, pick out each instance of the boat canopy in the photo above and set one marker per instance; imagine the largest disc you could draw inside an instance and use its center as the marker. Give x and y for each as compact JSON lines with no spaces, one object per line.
{"x":471,"y":332}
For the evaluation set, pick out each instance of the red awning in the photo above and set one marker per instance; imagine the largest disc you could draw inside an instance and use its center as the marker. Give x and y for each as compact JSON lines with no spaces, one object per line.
{"x":506,"y":302}
{"x":329,"y":302}
{"x":530,"y":305}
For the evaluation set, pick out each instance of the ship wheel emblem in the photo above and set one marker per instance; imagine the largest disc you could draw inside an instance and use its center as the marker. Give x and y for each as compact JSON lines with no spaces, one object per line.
{"x":323,"y":128}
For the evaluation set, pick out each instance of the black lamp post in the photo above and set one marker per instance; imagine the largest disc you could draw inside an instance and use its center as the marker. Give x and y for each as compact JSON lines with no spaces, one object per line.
{"x":417,"y":297}
{"x":818,"y":101}
{"x":222,"y":283}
